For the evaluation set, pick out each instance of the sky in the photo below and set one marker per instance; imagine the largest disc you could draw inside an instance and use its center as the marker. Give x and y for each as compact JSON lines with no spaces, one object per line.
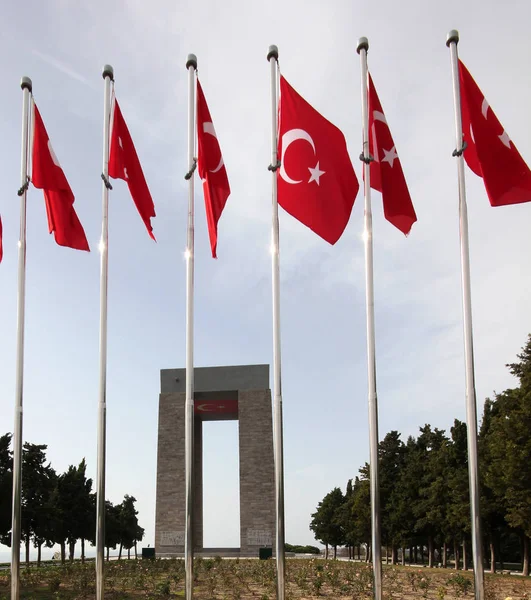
{"x":62,"y":45}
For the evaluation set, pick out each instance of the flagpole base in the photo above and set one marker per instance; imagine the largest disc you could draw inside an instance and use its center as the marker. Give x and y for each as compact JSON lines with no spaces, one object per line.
{"x":191,"y":61}
{"x":25,"y":84}
{"x":108,"y":71}
{"x":363,"y":44}
{"x":453,"y":36}
{"x":273,"y":53}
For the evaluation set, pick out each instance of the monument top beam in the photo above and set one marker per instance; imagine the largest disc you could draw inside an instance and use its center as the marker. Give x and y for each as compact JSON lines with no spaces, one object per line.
{"x":218,"y":379}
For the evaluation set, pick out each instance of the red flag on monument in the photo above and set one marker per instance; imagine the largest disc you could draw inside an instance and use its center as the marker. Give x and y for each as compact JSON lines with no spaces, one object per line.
{"x":316,"y":181}
{"x":387,"y":176}
{"x":48,"y":176}
{"x":124,"y":164}
{"x":211,"y":169}
{"x":490,"y":153}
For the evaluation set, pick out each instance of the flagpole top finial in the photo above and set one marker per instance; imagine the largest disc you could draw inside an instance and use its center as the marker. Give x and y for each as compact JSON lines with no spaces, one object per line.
{"x":191,"y":61}
{"x":272,"y":53}
{"x":363,"y":44}
{"x":108,"y":71}
{"x":25,"y":84}
{"x":453,"y":36}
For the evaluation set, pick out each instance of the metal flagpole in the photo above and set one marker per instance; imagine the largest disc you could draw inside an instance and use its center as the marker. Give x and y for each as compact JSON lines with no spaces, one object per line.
{"x":272,"y":57}
{"x":191,"y":65}
{"x":26,"y":86}
{"x":108,"y":76}
{"x":363,"y":47}
{"x":471,"y":411}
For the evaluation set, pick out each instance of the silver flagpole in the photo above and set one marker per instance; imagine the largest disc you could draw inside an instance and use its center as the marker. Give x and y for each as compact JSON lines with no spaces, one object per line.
{"x":108,"y":76}
{"x":272,"y":57}
{"x":363,"y":47}
{"x":471,"y":411}
{"x":191,"y":65}
{"x":26,"y":86}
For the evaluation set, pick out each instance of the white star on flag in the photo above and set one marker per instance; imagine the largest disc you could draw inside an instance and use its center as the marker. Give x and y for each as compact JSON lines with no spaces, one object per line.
{"x":390,"y":156}
{"x":505,"y":139}
{"x":484,"y":108}
{"x":315,"y":173}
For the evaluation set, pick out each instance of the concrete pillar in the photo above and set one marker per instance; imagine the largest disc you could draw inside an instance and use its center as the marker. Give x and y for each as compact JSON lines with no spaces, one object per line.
{"x":170,"y":509}
{"x":257,"y":501}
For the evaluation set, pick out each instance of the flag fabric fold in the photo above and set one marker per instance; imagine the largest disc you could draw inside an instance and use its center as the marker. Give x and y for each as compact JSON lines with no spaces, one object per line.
{"x":489,"y":152}
{"x":386,"y":172}
{"x":124,"y":164}
{"x":316,"y":181}
{"x":211,"y":169}
{"x":48,"y":176}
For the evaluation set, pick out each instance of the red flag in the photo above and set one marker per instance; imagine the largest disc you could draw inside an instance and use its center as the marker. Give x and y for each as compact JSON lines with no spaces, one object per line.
{"x":211,"y":169}
{"x":217,"y":407}
{"x":1,"y":246}
{"x":387,"y":176}
{"x":490,"y":152}
{"x":316,"y":181}
{"x":48,"y":176}
{"x":124,"y":164}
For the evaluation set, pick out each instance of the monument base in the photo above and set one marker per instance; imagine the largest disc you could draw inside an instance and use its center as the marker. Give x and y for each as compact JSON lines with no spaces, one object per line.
{"x":211,"y":553}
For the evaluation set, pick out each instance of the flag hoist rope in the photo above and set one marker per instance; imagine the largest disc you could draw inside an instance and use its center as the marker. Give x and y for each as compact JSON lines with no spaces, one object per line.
{"x":471,"y":410}
{"x":191,"y":66}
{"x":108,"y":77}
{"x":272,"y":58}
{"x":26,"y":86}
{"x":363,"y":47}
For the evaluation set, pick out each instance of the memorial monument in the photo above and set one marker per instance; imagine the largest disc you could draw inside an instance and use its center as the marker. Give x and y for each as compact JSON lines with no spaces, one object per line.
{"x":220,"y":393}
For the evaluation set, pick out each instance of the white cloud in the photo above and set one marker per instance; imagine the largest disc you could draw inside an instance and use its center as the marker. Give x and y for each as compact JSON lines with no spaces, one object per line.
{"x":61,"y":66}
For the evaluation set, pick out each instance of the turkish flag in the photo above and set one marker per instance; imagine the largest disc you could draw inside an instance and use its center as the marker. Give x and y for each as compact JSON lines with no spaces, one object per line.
{"x":387,"y":176}
{"x":316,"y":181}
{"x":211,"y":169}
{"x":1,"y":246}
{"x":48,"y":176}
{"x":227,"y":407}
{"x":490,"y":152}
{"x":124,"y":164}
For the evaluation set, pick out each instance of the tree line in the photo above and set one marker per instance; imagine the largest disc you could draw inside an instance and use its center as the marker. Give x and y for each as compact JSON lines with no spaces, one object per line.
{"x":60,"y":508}
{"x":424,"y":491}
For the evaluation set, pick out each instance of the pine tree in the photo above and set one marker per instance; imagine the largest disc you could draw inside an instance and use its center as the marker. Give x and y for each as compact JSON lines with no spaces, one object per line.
{"x":37,"y":485}
{"x":508,"y":441}
{"x":432,"y":497}
{"x":6,"y":488}
{"x":492,"y":506}
{"x":392,"y":456}
{"x":129,"y":529}
{"x":327,"y":522}
{"x":458,"y":501}
{"x":361,"y":509}
{"x":75,"y":508}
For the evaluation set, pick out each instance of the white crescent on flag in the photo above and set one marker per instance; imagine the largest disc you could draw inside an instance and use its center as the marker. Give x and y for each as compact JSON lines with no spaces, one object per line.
{"x":208,"y":127}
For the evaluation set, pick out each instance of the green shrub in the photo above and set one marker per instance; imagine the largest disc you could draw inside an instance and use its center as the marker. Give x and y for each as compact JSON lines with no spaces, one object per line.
{"x":54,"y":583}
{"x":163,"y":588}
{"x":460,"y":584}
